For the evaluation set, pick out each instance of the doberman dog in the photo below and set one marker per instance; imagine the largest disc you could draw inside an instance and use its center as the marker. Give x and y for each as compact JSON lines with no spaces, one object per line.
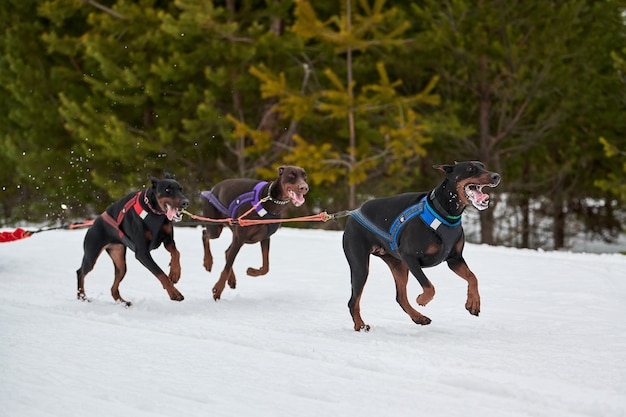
{"x":140,"y":221}
{"x":233,"y":197}
{"x":417,"y":230}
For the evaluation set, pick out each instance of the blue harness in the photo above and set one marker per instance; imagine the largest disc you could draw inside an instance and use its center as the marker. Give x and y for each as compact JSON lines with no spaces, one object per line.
{"x":449,"y":234}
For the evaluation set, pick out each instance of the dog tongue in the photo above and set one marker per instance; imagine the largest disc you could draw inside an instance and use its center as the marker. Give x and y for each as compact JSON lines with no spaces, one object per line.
{"x":171,"y":212}
{"x":296,"y":199}
{"x":479,"y":199}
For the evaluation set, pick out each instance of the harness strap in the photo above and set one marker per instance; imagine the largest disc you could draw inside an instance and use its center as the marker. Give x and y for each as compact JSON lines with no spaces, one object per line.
{"x":215,"y":202}
{"x":358,"y":216}
{"x":135,"y":204}
{"x":252,"y":197}
{"x":421,"y":209}
{"x":434,"y":220}
{"x":416,"y":210}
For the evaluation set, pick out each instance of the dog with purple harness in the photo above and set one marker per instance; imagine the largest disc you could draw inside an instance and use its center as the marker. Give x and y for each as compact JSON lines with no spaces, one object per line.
{"x":231,"y":198}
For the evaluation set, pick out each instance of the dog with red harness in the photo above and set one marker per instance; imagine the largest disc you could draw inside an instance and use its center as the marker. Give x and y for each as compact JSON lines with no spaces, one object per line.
{"x":231,"y":198}
{"x":141,"y":221}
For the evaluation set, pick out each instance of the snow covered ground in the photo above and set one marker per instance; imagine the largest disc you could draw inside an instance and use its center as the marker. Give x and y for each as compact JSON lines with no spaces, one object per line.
{"x":550,"y":340}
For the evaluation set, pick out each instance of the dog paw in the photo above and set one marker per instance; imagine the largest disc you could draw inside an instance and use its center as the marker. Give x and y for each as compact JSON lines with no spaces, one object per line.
{"x":208,"y":266}
{"x":216,"y":294}
{"x":472,"y":310}
{"x":176,"y":296}
{"x":426,"y":297}
{"x":473,"y":306}
{"x":124,"y":302}
{"x":253,"y":272}
{"x":422,"y":320}
{"x":83,"y":297}
{"x":364,"y":327}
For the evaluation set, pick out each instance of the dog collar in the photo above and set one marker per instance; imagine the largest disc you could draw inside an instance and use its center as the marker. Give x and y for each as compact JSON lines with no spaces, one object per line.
{"x":439,"y":212}
{"x":272,"y":199}
{"x":139,"y":208}
{"x":434,"y":220}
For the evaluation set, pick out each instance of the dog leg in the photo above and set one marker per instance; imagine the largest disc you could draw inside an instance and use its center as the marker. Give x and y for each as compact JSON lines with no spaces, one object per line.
{"x":146,"y":260}
{"x":265,"y":267}
{"x":428,"y":290}
{"x":228,"y":274}
{"x":460,"y":268}
{"x":173,"y":293}
{"x":86,"y":267}
{"x":355,"y":310}
{"x":93,"y":246}
{"x":118,"y":255}
{"x":232,"y":279}
{"x":358,"y":256}
{"x":80,"y":278}
{"x":174,"y":275}
{"x":208,"y":257}
{"x":400,"y":273}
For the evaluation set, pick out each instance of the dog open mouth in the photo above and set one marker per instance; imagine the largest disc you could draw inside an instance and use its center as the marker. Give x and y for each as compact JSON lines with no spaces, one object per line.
{"x":173,"y":213}
{"x":474,"y":193}
{"x":296,"y":198}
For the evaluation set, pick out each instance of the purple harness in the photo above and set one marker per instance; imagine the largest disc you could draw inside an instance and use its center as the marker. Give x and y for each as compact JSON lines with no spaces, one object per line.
{"x":251,"y":197}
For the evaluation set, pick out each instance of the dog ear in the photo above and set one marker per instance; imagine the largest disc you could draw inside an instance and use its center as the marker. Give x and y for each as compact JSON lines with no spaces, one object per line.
{"x":168,"y":175}
{"x":280,"y":170}
{"x":153,"y":180}
{"x":444,"y":168}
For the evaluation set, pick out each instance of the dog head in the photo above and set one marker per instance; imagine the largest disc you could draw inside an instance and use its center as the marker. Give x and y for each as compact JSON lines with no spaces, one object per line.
{"x":169,"y":197}
{"x":292,"y":182}
{"x":469,"y":179}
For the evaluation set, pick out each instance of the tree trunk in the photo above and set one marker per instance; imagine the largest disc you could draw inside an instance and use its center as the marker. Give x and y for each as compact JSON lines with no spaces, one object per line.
{"x":525,"y":208}
{"x":485,"y":145}
{"x":558,"y":227}
{"x":352,"y":152}
{"x":525,"y":232}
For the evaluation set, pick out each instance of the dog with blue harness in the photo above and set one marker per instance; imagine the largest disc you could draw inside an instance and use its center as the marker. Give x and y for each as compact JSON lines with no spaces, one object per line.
{"x":417,"y":230}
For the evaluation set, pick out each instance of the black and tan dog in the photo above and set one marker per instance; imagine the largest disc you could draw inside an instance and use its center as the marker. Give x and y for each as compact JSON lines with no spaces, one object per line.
{"x":140,"y":221}
{"x":417,"y":230}
{"x":233,"y":197}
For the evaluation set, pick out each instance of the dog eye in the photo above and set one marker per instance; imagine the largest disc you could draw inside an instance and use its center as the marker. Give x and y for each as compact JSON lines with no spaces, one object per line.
{"x":167,"y":190}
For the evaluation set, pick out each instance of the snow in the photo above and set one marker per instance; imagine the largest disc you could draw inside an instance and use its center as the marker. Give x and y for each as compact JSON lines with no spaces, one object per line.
{"x":550,"y":340}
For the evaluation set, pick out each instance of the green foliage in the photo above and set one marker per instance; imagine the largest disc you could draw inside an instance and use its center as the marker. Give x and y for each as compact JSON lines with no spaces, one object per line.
{"x":388,"y":129}
{"x":614,"y":182}
{"x":365,"y":94}
{"x":533,"y":80}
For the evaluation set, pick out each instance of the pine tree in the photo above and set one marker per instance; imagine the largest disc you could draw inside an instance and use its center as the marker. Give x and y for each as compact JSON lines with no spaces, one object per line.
{"x":511,"y":71}
{"x":374,"y":127}
{"x":39,"y":178}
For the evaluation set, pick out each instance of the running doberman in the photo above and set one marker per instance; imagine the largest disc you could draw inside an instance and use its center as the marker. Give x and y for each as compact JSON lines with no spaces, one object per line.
{"x":417,"y":230}
{"x":233,"y":197}
{"x":140,"y":221}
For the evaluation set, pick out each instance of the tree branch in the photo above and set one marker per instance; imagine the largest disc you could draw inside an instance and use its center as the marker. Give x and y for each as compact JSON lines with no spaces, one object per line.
{"x":104,"y":9}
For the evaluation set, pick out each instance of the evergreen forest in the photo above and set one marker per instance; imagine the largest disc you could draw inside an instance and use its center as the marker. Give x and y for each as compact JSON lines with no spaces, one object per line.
{"x":366,"y":95}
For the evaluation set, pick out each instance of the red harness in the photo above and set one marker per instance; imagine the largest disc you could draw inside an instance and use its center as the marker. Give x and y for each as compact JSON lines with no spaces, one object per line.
{"x":135,"y":204}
